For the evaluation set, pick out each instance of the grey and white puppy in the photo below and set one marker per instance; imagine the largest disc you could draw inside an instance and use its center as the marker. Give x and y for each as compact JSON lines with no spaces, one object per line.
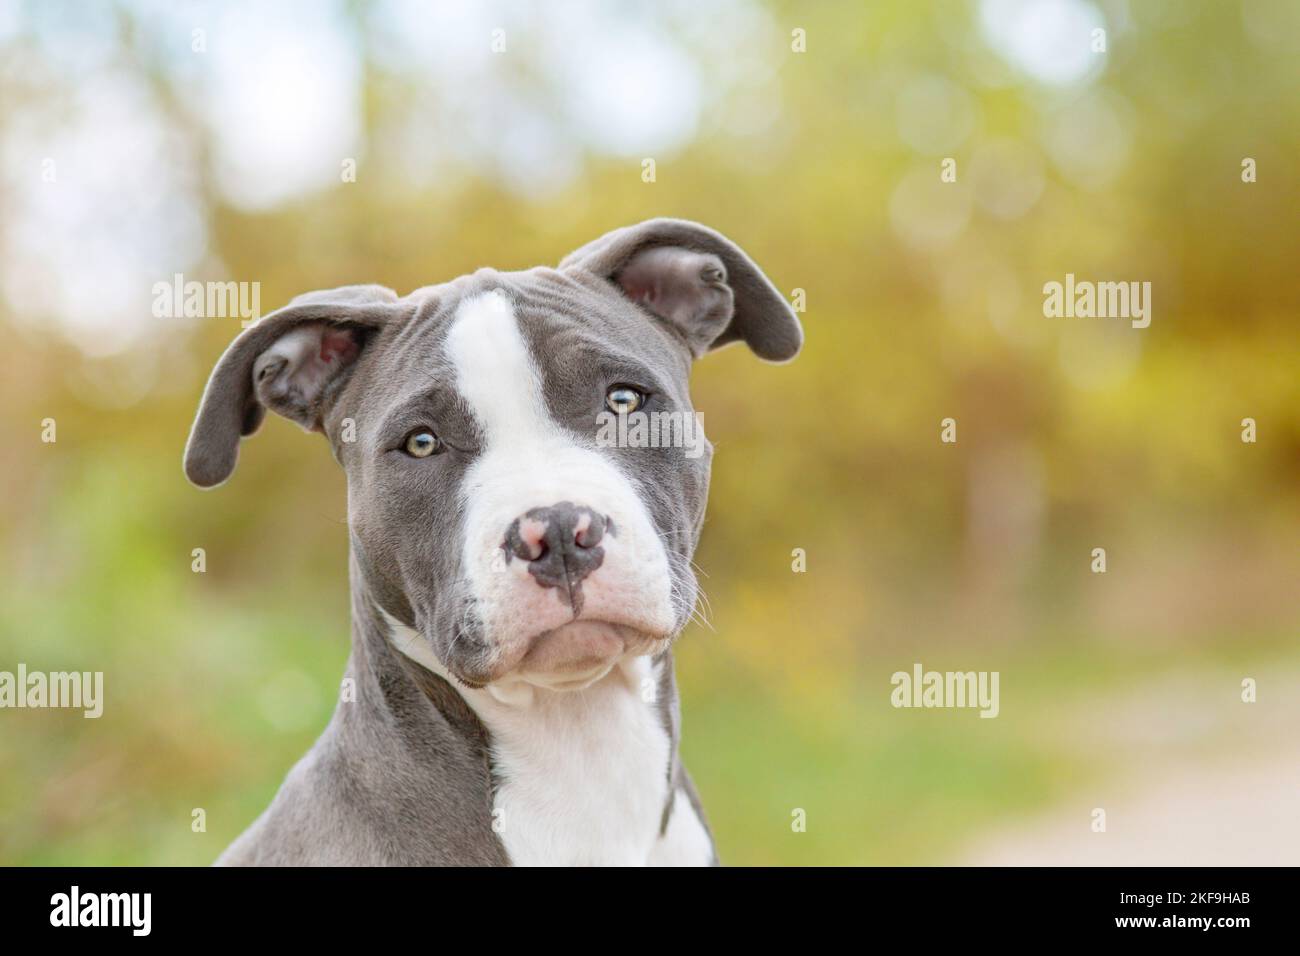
{"x":516,"y":583}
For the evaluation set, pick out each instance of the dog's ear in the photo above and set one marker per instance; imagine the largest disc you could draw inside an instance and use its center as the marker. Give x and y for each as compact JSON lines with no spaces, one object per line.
{"x":698,"y":281}
{"x":293,"y":361}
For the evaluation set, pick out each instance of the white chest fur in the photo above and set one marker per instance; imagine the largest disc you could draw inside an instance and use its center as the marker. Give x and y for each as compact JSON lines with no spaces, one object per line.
{"x":582,"y":776}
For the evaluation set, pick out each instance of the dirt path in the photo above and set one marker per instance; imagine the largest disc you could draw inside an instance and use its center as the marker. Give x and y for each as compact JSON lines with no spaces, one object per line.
{"x":1196,"y":777}
{"x":1238,"y":812}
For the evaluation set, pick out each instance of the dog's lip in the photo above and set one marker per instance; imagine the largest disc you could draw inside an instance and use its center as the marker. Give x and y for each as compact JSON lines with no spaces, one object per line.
{"x":575,"y":653}
{"x":576,"y":647}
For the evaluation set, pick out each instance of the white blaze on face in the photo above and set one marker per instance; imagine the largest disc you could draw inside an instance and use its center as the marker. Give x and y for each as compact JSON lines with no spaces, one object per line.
{"x":494,"y":372}
{"x":528,"y":461}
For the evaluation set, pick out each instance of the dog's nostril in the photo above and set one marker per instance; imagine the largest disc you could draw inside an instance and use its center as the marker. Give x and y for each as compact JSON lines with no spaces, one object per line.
{"x":526,"y":538}
{"x":589,"y":531}
{"x":524,"y":549}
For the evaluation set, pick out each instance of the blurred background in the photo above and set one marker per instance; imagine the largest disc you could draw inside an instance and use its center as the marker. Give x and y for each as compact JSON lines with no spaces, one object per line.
{"x":139,"y":140}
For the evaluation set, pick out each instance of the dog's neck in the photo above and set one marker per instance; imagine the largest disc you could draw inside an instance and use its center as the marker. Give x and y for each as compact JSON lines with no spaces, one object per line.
{"x":577,"y":776}
{"x":387,"y":692}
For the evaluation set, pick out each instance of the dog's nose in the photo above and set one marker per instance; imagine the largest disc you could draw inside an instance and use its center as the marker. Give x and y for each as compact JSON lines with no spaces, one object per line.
{"x":561,"y":543}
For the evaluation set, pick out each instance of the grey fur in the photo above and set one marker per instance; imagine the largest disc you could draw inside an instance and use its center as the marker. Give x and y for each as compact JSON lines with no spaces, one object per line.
{"x":403,"y":775}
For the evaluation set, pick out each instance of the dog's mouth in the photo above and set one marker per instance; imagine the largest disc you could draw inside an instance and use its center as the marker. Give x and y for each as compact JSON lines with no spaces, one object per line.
{"x":576,"y":654}
{"x":575,"y":647}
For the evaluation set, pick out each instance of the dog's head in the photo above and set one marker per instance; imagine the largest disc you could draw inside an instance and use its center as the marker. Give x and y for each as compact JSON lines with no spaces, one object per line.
{"x":526,"y":477}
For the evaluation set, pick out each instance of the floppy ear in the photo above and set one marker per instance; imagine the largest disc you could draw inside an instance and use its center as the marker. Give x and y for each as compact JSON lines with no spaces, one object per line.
{"x":698,"y":281}
{"x":293,"y":361}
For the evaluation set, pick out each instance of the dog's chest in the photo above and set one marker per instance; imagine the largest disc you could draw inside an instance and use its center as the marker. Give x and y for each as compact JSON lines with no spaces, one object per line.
{"x":582,"y":779}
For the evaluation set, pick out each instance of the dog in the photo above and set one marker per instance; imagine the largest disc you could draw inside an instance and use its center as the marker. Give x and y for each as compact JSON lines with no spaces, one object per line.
{"x":515,"y":586}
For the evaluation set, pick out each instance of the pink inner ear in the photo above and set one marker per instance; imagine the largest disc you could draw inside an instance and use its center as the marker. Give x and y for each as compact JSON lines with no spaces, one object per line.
{"x":680,"y":285}
{"x":293,"y":373}
{"x":636,"y":287}
{"x":338,"y":344}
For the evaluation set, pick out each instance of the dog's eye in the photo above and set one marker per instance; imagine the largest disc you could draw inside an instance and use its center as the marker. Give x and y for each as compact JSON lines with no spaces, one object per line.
{"x":422,"y":443}
{"x":624,"y":399}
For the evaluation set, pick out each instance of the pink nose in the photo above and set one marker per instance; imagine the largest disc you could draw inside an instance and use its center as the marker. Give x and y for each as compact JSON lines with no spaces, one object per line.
{"x":561,"y":545}
{"x":545,"y":528}
{"x":532,"y":533}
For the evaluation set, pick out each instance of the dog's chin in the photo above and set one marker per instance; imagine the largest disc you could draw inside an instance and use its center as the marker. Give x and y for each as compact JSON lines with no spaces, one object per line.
{"x":580,"y":653}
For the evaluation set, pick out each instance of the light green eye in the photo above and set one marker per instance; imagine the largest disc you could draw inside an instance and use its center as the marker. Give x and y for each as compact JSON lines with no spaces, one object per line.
{"x":422,"y":443}
{"x":623,"y":399}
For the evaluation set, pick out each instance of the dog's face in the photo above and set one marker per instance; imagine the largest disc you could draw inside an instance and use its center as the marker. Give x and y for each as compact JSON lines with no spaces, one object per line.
{"x":526,"y":474}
